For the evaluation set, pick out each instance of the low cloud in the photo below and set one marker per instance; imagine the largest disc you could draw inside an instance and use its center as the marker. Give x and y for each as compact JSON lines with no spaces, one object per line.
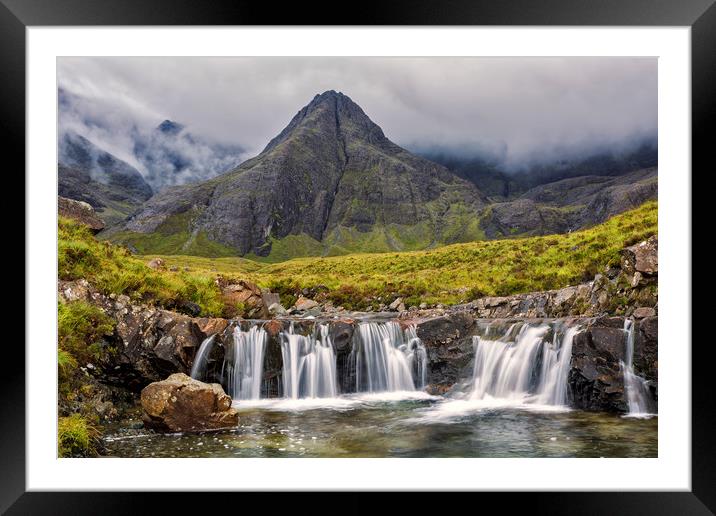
{"x":516,"y":110}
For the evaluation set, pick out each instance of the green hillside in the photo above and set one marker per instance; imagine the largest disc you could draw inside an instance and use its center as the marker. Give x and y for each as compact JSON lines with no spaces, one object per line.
{"x":450,"y":274}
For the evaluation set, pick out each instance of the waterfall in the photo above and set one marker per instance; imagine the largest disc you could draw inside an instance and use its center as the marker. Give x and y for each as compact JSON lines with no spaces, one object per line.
{"x":417,"y":357}
{"x":245,"y":368}
{"x":309,"y":365}
{"x":387,"y":358}
{"x":199,"y":366}
{"x":528,"y":369}
{"x":636,"y":388}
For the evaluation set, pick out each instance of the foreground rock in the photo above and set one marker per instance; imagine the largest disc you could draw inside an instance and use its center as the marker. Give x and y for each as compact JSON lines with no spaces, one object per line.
{"x":244,"y":299}
{"x":81,"y":212}
{"x":182,"y":404}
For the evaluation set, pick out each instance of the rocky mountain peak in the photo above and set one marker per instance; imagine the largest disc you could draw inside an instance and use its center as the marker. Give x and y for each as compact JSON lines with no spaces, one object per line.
{"x":331,"y":180}
{"x":170,"y":127}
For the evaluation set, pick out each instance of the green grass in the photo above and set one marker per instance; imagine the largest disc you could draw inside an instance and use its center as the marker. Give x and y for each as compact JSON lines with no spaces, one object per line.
{"x":76,"y":437}
{"x":454,"y":273}
{"x":80,"y":328}
{"x":113,"y":270}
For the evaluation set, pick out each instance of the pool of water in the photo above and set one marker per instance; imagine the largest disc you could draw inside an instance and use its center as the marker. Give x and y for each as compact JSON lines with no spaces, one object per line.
{"x":399,"y":425}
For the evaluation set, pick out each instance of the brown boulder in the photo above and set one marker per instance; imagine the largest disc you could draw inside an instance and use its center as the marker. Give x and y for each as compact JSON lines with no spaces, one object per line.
{"x":211,"y":326}
{"x":81,"y":212}
{"x":182,"y":404}
{"x":642,"y":257}
{"x":242,"y":298}
{"x":303,"y":303}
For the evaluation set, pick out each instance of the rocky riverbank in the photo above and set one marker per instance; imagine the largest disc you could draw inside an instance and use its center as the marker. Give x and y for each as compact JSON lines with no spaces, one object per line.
{"x":147,"y":343}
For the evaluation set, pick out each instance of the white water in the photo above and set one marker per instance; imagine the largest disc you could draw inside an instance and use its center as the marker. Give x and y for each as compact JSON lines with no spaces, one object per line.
{"x":636,"y":388}
{"x":199,"y":365}
{"x":386,"y":357}
{"x":509,"y":371}
{"x":245,"y":369}
{"x":309,"y":365}
{"x":525,"y":371}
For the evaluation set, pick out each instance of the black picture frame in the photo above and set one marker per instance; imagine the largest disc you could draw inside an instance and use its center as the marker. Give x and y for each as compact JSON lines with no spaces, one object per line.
{"x":700,"y":15}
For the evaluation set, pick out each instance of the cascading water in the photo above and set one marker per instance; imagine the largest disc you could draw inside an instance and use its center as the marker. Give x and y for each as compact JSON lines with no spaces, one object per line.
{"x":309,"y":365}
{"x":637,"y":388}
{"x":245,"y":369}
{"x":387,"y":358}
{"x":199,"y":366}
{"x":528,"y":369}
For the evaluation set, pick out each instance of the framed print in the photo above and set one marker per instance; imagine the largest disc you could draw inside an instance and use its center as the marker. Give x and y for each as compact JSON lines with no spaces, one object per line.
{"x":415,"y":252}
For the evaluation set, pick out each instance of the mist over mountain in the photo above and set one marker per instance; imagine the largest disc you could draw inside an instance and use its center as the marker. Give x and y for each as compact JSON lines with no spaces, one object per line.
{"x":493,"y":176}
{"x":166,"y":153}
{"x":90,"y":174}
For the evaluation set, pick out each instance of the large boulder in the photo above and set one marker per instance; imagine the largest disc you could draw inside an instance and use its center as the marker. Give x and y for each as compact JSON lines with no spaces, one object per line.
{"x":182,"y":404}
{"x":642,"y":257}
{"x":81,"y":212}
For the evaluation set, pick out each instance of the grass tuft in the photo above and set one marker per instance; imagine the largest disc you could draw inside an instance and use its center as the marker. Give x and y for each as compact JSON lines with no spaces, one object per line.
{"x":76,"y":437}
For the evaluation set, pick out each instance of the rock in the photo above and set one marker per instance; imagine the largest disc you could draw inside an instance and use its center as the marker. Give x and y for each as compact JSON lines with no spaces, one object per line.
{"x":423,"y":306}
{"x":270,"y":298}
{"x":242,"y":299}
{"x":642,"y":257}
{"x":395,"y":304}
{"x":211,"y":326}
{"x":448,"y":342}
{"x":401,"y":307}
{"x":277,"y":310}
{"x":309,"y":192}
{"x":595,"y":379}
{"x":156,"y":263}
{"x":189,"y":308}
{"x":182,"y":404}
{"x":646,"y":354}
{"x":304,"y":303}
{"x":81,"y":212}
{"x":644,"y":311}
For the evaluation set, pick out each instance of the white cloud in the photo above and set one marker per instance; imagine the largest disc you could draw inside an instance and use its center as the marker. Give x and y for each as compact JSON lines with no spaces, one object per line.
{"x":525,"y":108}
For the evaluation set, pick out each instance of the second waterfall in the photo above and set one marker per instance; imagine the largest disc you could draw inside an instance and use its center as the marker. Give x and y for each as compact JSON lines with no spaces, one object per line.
{"x":301,"y":360}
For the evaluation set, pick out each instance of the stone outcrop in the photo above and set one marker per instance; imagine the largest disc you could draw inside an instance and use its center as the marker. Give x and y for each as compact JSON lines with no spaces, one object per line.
{"x":243,"y":299}
{"x":596,"y":379}
{"x":181,"y":404}
{"x":448,"y":343}
{"x":148,"y":343}
{"x":81,"y":212}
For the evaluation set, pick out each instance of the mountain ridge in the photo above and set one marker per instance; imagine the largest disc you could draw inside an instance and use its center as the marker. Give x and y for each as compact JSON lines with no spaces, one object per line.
{"x":329,"y":180}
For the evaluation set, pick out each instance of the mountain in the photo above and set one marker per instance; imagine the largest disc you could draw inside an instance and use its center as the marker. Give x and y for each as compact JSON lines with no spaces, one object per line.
{"x":167,"y":154}
{"x":500,"y":184}
{"x":329,"y":183}
{"x":87,"y":173}
{"x":561,"y":196}
{"x":569,"y":204}
{"x":171,"y":155}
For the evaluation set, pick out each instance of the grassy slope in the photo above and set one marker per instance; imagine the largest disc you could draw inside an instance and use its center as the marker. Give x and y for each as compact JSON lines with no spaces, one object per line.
{"x":113,"y":270}
{"x":453,"y":273}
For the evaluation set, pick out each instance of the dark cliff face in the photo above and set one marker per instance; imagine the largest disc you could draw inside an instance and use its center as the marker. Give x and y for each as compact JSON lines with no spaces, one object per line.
{"x":330,"y":170}
{"x":80,"y":154}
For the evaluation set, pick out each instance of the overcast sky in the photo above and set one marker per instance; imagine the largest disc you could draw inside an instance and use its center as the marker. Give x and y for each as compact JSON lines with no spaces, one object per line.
{"x":521,"y":108}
